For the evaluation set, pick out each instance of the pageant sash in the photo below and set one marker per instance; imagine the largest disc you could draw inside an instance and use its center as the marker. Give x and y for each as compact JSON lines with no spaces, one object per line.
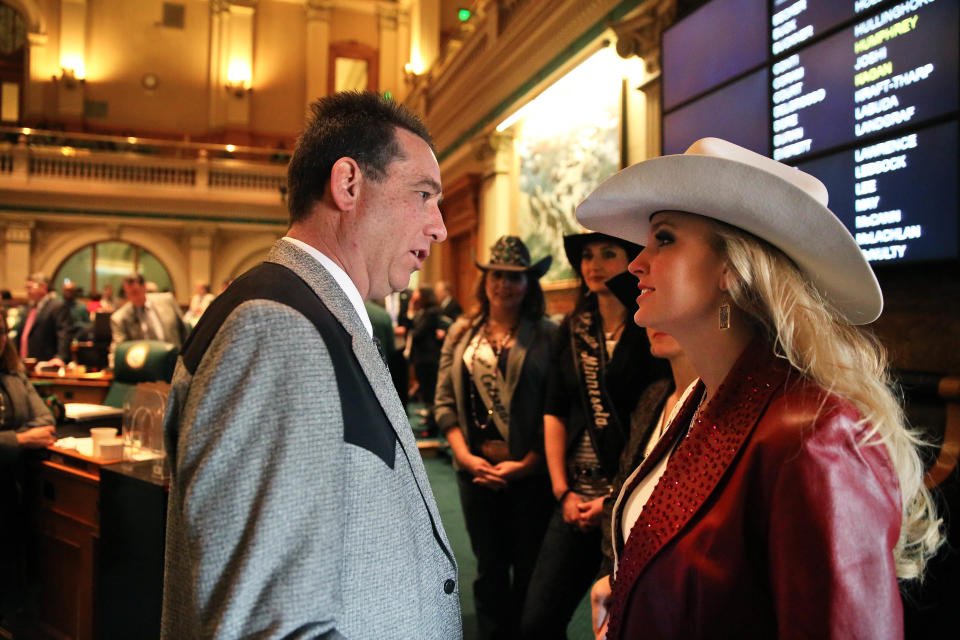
{"x":490,"y":384}
{"x":590,"y":362}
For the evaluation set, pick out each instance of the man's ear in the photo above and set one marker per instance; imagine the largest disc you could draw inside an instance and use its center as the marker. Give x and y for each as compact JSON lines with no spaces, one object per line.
{"x":345,"y":179}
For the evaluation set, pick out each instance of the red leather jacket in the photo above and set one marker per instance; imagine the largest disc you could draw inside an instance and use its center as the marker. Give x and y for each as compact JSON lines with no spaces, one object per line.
{"x":770,"y":521}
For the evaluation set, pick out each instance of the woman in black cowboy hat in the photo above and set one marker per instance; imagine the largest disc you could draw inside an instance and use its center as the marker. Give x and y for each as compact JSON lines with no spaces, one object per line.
{"x":489,"y":405}
{"x":601,"y":365}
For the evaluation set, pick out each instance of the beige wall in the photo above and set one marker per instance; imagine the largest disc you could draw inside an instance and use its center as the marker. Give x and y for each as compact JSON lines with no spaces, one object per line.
{"x":178,"y":57}
{"x":359,"y":27}
{"x":124,"y":39}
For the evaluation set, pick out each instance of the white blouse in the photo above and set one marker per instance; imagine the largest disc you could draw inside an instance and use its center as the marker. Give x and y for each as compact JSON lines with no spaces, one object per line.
{"x":632,"y":504}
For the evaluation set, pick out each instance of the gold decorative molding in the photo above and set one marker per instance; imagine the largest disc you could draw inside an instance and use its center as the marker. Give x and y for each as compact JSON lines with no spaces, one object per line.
{"x":319,"y":10}
{"x":19,"y":232}
{"x":639,"y":35}
{"x":495,"y":60}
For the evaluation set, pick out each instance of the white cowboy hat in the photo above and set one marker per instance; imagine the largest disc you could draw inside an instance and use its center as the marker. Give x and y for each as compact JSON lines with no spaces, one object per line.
{"x":720,"y":180}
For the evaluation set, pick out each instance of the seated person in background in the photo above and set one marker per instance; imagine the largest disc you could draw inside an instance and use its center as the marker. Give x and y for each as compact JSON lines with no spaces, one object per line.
{"x":198,"y":303}
{"x":107,"y":303}
{"x":44,"y":329}
{"x":25,"y":422}
{"x":154,"y":316}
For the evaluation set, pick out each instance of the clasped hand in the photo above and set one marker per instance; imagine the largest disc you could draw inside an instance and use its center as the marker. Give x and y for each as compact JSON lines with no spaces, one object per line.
{"x":494,"y":476}
{"x":582,"y":513}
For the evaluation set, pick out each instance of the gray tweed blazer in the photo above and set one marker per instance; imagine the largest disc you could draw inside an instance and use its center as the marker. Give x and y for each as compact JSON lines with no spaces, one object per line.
{"x":276,"y":527}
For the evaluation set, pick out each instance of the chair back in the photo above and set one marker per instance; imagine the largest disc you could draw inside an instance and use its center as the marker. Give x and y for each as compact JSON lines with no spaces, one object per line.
{"x":140,"y":361}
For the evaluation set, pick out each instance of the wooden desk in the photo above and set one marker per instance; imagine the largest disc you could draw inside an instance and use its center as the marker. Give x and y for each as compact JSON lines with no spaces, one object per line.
{"x":65,"y":492}
{"x":90,"y":388}
{"x":99,"y":547}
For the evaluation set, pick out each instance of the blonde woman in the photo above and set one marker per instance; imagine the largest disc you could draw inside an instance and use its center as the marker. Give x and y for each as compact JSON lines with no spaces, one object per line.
{"x":786,"y":497}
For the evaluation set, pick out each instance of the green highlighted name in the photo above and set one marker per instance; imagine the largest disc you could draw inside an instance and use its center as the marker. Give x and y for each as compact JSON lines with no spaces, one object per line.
{"x":883,"y":35}
{"x":874,"y":73}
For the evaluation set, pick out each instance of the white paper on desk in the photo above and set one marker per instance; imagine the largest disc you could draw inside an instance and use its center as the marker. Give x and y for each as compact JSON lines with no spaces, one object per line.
{"x":81,"y":411}
{"x":83,"y":446}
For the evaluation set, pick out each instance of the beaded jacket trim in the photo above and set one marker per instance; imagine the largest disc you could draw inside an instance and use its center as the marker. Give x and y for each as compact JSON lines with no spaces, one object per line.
{"x":698,"y":465}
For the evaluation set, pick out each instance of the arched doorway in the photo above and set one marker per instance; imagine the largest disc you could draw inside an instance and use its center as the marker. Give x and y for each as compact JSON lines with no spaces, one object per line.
{"x":105,"y":263}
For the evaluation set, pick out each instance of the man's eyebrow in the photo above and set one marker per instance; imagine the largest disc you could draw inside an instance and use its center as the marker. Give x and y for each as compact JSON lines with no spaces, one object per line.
{"x":431,"y":183}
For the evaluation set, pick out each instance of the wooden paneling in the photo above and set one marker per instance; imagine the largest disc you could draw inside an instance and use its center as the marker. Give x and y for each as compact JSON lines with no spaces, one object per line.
{"x":461,"y":215}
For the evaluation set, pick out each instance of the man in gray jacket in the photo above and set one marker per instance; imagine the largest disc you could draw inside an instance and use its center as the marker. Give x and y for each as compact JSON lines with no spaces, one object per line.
{"x":299,"y":505}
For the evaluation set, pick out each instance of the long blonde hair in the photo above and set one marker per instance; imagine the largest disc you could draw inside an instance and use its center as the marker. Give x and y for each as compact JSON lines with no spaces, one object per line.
{"x":843,"y":359}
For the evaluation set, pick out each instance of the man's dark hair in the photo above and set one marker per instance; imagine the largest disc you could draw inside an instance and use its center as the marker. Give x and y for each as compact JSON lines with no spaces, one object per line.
{"x":354,"y":124}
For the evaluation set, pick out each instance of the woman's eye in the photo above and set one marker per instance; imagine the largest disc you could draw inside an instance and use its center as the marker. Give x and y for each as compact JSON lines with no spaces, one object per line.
{"x":609,"y":255}
{"x":663,"y":238}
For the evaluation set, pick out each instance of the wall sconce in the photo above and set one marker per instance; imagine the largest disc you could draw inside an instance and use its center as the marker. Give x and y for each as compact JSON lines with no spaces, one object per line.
{"x":238,"y":78}
{"x":238,"y":88}
{"x":68,"y":77}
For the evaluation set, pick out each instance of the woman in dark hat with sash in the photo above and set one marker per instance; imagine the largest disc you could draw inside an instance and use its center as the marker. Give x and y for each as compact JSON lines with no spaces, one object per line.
{"x":489,"y":405}
{"x":601,"y":365}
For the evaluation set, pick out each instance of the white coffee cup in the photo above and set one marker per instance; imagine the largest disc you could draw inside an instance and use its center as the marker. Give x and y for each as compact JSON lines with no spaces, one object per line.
{"x":111,"y":449}
{"x":99,"y":434}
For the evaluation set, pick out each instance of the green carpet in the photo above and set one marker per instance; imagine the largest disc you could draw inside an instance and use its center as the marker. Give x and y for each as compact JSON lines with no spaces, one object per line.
{"x":443,"y":481}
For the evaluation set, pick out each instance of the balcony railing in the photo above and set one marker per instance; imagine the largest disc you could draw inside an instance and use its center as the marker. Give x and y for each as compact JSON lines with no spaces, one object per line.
{"x":41,"y":157}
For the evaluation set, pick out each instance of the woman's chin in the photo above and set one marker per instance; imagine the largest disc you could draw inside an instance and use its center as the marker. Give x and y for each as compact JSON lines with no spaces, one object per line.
{"x":643,"y":318}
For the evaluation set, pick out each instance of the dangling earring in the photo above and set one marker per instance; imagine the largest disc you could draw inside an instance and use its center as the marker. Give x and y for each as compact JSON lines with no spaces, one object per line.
{"x":724,"y":316}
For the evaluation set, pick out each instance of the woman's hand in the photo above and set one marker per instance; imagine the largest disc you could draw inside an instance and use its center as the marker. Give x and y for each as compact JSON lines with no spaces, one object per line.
{"x":571,"y":510}
{"x":37,"y":437}
{"x":482,"y":471}
{"x":589,"y":513}
{"x":511,"y":469}
{"x":599,"y":607}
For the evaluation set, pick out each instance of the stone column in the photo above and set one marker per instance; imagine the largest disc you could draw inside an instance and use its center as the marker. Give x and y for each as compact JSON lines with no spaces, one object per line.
{"x":201,"y":258}
{"x":403,"y":54}
{"x":319,"y":14}
{"x":16,"y":252}
{"x":429,"y":33}
{"x":497,"y":190}
{"x":217,"y":64}
{"x":389,"y":61}
{"x":640,"y":36}
{"x":37,"y":78}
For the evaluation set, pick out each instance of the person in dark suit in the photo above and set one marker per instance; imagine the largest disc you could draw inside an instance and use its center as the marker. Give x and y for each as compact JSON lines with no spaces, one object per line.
{"x":44,"y":329}
{"x":424,"y":340}
{"x":299,"y":504}
{"x":449,"y":307}
{"x":78,"y":309}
